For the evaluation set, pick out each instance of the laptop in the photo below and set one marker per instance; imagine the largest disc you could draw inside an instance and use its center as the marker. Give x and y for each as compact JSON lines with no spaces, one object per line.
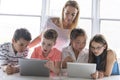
{"x":80,"y":70}
{"x":33,"y":67}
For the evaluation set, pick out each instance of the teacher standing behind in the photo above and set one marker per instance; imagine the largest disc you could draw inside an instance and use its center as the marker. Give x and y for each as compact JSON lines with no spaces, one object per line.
{"x":63,"y":25}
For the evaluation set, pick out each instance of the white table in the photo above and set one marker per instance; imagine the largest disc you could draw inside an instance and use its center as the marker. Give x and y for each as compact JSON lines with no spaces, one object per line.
{"x":17,"y":76}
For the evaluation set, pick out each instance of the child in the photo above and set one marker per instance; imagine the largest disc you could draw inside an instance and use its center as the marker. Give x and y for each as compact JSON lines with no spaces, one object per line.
{"x":10,"y":52}
{"x":48,"y":52}
{"x":104,"y":58}
{"x":76,"y":51}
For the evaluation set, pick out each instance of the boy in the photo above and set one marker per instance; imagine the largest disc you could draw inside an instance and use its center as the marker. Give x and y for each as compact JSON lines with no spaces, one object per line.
{"x":48,"y":52}
{"x":10,"y":52}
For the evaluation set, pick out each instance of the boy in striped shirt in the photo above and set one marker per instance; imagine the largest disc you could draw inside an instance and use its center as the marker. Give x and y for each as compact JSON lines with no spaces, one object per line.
{"x":11,"y":52}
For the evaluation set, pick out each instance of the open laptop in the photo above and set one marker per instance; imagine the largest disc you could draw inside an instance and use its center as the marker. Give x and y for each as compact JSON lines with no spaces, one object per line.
{"x":33,"y":67}
{"x":81,"y":70}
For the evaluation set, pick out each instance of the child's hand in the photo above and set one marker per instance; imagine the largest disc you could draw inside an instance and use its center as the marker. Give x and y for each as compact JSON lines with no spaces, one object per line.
{"x":53,"y":66}
{"x":68,"y":59}
{"x":95,"y":75}
{"x":100,"y":74}
{"x":50,"y":65}
{"x":9,"y":69}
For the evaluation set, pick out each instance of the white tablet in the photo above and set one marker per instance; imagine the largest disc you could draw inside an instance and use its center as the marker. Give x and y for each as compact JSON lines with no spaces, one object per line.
{"x":81,"y":70}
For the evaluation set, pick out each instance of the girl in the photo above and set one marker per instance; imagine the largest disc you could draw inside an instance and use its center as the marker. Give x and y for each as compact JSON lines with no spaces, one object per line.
{"x":76,"y":51}
{"x":104,"y":58}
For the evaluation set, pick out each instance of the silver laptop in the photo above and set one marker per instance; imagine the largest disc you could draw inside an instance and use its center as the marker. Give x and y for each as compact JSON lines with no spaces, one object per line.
{"x":33,"y":67}
{"x":81,"y":70}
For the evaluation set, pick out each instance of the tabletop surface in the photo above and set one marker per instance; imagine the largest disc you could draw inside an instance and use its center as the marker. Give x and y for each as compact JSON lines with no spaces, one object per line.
{"x":4,"y":76}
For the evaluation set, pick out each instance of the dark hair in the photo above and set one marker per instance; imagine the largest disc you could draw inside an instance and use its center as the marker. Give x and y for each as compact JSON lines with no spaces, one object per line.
{"x":92,"y":58}
{"x":22,"y":33}
{"x":77,"y":32}
{"x":50,"y":34}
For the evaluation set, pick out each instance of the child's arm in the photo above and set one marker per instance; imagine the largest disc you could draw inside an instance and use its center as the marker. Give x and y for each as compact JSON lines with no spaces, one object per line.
{"x":54,"y":66}
{"x":94,"y":75}
{"x":67,"y":59}
{"x":10,"y":69}
{"x":111,"y":58}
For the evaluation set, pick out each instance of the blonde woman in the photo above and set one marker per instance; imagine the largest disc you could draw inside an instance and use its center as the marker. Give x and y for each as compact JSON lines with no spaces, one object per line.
{"x":63,"y":25}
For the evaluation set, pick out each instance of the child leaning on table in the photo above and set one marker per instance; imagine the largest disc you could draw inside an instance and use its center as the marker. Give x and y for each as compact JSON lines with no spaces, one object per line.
{"x":10,"y":52}
{"x":76,"y":51}
{"x":46,"y":51}
{"x":104,"y":57}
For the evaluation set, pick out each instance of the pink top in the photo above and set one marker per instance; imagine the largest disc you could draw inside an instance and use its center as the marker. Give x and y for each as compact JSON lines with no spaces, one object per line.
{"x":54,"y":55}
{"x":63,"y":39}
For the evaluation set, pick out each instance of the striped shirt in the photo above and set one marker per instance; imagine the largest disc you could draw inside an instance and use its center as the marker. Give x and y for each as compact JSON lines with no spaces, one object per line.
{"x":7,"y":54}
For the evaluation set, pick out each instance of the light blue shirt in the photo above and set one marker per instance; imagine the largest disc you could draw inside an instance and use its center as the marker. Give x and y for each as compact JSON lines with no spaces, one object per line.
{"x":115,"y":70}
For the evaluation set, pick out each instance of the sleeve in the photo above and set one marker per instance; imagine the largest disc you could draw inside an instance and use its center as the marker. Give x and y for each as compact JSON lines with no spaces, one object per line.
{"x":34,"y":54}
{"x":3,"y":55}
{"x":59,"y":56}
{"x":65,"y":53}
{"x":25,"y":53}
{"x":45,"y":24}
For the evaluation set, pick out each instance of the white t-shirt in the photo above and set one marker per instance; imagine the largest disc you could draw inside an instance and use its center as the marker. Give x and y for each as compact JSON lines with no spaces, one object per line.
{"x":82,"y":57}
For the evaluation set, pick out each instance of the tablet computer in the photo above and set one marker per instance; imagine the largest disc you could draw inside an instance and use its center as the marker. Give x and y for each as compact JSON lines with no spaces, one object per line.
{"x":33,"y":67}
{"x":81,"y":70}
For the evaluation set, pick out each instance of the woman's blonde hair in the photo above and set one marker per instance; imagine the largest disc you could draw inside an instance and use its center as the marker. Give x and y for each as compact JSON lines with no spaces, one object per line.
{"x":75,"y":5}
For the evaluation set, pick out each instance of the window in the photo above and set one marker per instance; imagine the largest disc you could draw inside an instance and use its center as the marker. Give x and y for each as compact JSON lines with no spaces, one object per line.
{"x":85,"y":17}
{"x":109,"y":9}
{"x":96,"y":16}
{"x":111,"y":30}
{"x":110,"y":23}
{"x":25,"y":7}
{"x":19,"y":13}
{"x":10,"y":23}
{"x":56,"y":7}
{"x":86,"y":25}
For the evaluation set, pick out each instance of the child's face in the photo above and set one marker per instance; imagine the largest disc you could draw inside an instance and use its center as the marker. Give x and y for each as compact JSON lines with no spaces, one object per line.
{"x":79,"y":43}
{"x":97,"y":48}
{"x":20,"y":45}
{"x":47,"y":45}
